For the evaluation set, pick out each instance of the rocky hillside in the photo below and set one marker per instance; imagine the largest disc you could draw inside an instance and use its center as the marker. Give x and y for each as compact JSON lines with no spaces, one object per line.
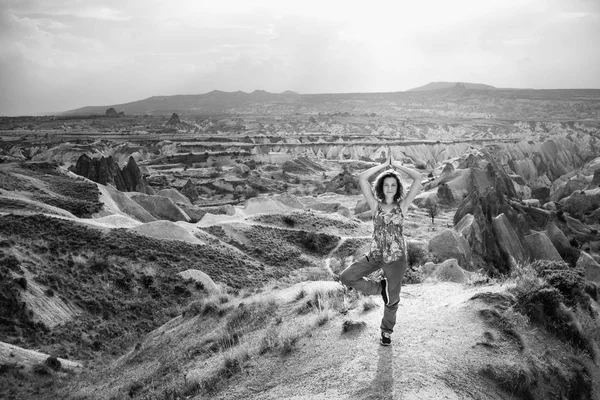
{"x":231,"y":291}
{"x":200,"y":259}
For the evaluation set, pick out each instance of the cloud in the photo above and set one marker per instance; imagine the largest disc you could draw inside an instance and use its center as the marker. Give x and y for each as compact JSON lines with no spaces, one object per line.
{"x":69,"y":53}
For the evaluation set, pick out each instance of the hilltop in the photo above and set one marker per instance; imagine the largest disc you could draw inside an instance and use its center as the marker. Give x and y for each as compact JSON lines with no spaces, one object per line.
{"x":451,"y":85}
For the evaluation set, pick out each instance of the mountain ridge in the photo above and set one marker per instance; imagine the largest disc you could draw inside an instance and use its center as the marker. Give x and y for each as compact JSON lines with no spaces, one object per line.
{"x":263,"y":102}
{"x":452,"y":85}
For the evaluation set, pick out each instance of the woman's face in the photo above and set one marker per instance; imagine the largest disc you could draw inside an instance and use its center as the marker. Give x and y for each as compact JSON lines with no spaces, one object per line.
{"x":390,"y":187}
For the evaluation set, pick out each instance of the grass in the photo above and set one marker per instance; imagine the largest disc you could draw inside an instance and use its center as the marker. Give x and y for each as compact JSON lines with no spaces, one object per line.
{"x":551,"y":297}
{"x":102,"y":274}
{"x":308,"y":221}
{"x":79,"y":197}
{"x":278,"y":247}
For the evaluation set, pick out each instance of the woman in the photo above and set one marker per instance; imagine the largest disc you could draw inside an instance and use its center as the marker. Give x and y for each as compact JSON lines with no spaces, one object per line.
{"x":388,"y":247}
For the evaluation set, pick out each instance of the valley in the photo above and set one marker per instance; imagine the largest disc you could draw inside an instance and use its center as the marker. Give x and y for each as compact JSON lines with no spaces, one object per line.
{"x":190,"y":247}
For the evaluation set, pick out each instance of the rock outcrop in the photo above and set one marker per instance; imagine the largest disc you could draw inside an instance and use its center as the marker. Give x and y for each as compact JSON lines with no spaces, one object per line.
{"x":590,"y":267}
{"x":450,"y":244}
{"x":189,"y":191}
{"x":289,"y":200}
{"x":580,"y":203}
{"x":200,"y":277}
{"x":508,"y":241}
{"x":325,"y":207}
{"x":303,"y":166}
{"x":174,"y":120}
{"x":447,"y":271}
{"x":595,"y":183}
{"x":160,"y":207}
{"x":174,"y":195}
{"x":117,"y":202}
{"x":106,"y":171}
{"x":540,"y":247}
{"x":343,"y":183}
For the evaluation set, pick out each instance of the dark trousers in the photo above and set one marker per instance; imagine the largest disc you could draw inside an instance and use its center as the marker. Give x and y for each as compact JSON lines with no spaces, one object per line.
{"x":355,"y":277}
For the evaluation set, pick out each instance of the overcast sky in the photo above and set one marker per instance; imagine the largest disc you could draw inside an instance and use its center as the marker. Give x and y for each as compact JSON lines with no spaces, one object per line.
{"x":57,"y":55}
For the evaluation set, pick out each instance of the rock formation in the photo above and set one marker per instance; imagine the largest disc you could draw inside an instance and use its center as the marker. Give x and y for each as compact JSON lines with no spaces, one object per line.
{"x":590,"y":267}
{"x":343,"y":183}
{"x":174,"y":121}
{"x":450,"y":244}
{"x":580,"y":203}
{"x":105,"y":171}
{"x":160,"y":207}
{"x":189,"y":191}
{"x":302,"y":165}
{"x":174,"y":195}
{"x":200,"y":277}
{"x":540,"y":247}
{"x":111,"y":112}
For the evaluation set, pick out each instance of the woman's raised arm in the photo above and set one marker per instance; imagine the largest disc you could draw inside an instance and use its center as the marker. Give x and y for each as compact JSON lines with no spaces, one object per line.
{"x":365,"y":186}
{"x":414,"y":187}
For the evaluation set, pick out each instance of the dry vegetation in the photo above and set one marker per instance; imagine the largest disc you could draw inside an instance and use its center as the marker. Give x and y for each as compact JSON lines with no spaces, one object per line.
{"x":51,"y":187}
{"x":550,"y":315}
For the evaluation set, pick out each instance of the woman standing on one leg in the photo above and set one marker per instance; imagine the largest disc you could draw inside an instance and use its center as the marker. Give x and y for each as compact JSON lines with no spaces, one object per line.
{"x":388,"y":247}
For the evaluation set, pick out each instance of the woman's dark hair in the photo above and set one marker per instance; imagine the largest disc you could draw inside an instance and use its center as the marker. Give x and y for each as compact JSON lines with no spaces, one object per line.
{"x":378,"y":185}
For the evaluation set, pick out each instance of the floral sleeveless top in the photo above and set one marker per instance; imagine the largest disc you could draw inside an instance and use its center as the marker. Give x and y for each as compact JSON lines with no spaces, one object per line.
{"x":388,"y":240}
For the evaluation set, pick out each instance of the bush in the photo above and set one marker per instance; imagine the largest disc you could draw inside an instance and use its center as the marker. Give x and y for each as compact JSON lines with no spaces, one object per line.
{"x":12,"y":263}
{"x":99,"y":265}
{"x":353,"y":326}
{"x":41,"y":369}
{"x":288,"y":220}
{"x":412,"y":276}
{"x":22,"y":282}
{"x":312,"y":242}
{"x":53,"y":363}
{"x":544,"y":289}
{"x":416,"y":253}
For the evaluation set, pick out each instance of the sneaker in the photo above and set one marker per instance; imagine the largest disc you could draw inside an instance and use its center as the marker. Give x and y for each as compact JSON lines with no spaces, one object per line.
{"x":386,"y":339}
{"x":384,"y":292}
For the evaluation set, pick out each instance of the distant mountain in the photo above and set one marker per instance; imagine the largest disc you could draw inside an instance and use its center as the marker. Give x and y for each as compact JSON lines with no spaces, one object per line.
{"x":214,"y":101}
{"x":449,"y":85}
{"x":541,"y":102}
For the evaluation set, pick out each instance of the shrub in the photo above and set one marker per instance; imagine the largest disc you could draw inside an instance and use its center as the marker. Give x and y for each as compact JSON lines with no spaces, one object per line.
{"x":134,"y":388}
{"x":53,"y":363}
{"x":312,"y":241}
{"x":99,"y":265}
{"x":11,"y":262}
{"x":301,"y":294}
{"x":41,"y":369}
{"x":416,"y":253}
{"x":288,"y":220}
{"x":369,"y":304}
{"x":22,"y":282}
{"x":288,"y":343}
{"x":543,"y":288}
{"x":353,"y":326}
{"x":412,"y":276}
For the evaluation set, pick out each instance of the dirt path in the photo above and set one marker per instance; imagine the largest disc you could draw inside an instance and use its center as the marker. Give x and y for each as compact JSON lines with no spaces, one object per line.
{"x":434,"y":352}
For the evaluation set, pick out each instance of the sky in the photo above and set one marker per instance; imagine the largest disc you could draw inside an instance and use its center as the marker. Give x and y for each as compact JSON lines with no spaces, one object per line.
{"x":60,"y":55}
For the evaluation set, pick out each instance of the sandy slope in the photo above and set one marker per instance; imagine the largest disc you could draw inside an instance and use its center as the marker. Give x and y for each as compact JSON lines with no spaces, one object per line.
{"x":435,"y":354}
